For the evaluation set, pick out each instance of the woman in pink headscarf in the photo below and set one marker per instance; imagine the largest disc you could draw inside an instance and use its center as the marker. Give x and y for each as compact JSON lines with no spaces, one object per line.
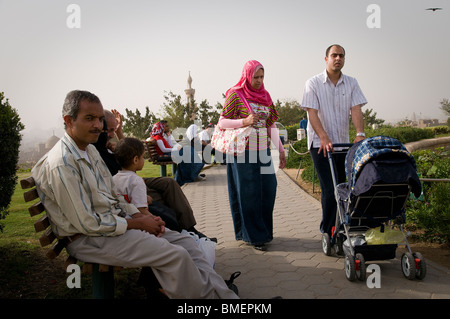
{"x":252,"y":182}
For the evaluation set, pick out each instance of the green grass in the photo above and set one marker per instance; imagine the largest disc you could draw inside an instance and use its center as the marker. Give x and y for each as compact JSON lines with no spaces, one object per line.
{"x":151,"y":170}
{"x":21,"y":255}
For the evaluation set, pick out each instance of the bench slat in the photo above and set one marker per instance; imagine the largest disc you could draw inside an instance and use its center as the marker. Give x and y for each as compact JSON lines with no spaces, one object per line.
{"x":36,"y":209}
{"x":56,"y":249}
{"x":27,"y":182}
{"x":41,"y":224}
{"x":30,"y":195}
{"x":69,"y":261}
{"x":153,"y":154}
{"x":88,"y":268}
{"x":47,"y":238}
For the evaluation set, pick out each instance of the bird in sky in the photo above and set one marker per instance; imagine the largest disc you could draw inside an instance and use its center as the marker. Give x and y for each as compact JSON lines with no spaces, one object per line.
{"x":434,"y":9}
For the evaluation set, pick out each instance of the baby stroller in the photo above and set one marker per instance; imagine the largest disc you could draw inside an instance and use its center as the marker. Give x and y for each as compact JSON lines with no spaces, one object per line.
{"x":380,"y":173}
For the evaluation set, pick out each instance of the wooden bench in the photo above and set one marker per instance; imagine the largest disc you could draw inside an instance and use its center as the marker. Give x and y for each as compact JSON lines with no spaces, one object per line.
{"x":102,"y":275}
{"x":153,"y":157}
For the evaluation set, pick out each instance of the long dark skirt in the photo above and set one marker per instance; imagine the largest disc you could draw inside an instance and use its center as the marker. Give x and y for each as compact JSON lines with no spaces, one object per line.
{"x":189,"y":165}
{"x":252,"y":186}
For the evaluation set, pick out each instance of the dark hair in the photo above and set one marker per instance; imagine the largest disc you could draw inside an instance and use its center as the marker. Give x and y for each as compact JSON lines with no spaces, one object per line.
{"x":71,"y":104}
{"x":334,"y":45}
{"x":126,"y":149}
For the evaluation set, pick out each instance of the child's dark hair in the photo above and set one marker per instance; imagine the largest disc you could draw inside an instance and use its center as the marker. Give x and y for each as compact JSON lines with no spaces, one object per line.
{"x":127,"y":149}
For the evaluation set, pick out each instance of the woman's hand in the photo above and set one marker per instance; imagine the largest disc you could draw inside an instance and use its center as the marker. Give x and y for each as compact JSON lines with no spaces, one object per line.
{"x":282,"y":160}
{"x":250,"y":120}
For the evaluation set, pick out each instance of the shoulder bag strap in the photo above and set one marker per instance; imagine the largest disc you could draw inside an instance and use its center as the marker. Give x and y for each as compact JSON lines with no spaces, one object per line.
{"x":244,"y":100}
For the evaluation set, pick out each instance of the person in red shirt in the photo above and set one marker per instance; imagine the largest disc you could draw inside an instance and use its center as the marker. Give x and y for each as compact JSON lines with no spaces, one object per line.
{"x":189,"y":163}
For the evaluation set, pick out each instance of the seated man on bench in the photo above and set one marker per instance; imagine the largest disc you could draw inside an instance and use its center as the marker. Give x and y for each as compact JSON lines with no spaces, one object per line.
{"x":77,"y":190}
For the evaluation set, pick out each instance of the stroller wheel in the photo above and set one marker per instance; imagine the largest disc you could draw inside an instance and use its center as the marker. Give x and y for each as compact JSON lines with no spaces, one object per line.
{"x":360,"y":267}
{"x":421,"y":266}
{"x":349,"y":267}
{"x":408,"y":264}
{"x":326,"y":244}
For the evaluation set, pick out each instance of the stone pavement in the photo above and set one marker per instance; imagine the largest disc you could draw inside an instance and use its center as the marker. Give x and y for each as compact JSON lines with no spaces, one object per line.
{"x":294,"y":266}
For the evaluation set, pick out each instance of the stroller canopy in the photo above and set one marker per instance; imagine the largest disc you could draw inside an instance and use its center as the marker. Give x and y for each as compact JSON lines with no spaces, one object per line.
{"x":380,"y":158}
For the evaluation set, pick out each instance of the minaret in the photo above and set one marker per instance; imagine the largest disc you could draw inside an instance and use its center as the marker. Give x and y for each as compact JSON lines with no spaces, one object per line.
{"x":190,"y":92}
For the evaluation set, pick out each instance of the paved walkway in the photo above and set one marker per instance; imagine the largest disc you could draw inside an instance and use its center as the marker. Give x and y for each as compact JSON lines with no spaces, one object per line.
{"x":294,"y":265}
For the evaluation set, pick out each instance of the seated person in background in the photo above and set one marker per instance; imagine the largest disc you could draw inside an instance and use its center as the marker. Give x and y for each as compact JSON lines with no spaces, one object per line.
{"x":77,"y":189}
{"x":192,"y":136}
{"x":130,"y":155}
{"x":205,"y":138}
{"x":163,"y":146}
{"x":205,"y":135}
{"x":189,"y":163}
{"x":167,"y":134}
{"x":112,"y":126}
{"x":107,"y":155}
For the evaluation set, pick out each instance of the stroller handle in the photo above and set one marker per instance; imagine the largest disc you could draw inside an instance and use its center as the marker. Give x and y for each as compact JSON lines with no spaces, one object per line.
{"x":348,"y":145}
{"x":331,"y":161}
{"x":344,"y":145}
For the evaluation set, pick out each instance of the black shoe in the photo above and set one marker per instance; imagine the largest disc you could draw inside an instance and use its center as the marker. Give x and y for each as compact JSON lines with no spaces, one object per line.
{"x":260,"y":247}
{"x":230,"y":281}
{"x":153,"y":290}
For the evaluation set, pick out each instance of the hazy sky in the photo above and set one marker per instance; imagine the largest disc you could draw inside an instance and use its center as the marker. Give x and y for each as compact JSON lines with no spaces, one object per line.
{"x":130,"y":52}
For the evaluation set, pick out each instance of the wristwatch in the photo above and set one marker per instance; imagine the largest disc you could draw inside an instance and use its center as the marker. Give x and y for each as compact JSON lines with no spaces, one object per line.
{"x":362,"y":134}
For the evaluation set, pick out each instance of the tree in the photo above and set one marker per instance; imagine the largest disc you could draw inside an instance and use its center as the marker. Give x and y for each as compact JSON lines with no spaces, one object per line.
{"x":208,"y":114}
{"x":445,"y":106}
{"x":136,"y":125}
{"x":290,"y":113}
{"x":10,"y":137}
{"x":370,"y":119}
{"x":216,"y":114}
{"x":178,"y":114}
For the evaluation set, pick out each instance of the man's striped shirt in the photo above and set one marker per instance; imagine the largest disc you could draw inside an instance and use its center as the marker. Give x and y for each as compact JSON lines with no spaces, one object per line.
{"x":334,"y":104}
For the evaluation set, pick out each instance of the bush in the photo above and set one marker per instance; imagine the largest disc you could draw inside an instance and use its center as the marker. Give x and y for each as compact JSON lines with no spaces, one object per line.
{"x":304,"y":156}
{"x":294,"y":158}
{"x":439,"y":130}
{"x":292,"y":132}
{"x":403,"y":134}
{"x":431,"y":216}
{"x":10,"y":137}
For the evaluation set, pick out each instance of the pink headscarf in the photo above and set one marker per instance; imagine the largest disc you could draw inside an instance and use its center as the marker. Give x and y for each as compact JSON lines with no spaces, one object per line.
{"x":260,"y":96}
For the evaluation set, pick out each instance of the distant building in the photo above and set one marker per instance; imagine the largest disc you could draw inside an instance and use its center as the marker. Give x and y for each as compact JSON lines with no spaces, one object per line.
{"x":428,"y":123}
{"x":33,"y":155}
{"x":420,"y":123}
{"x":190,"y":93}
